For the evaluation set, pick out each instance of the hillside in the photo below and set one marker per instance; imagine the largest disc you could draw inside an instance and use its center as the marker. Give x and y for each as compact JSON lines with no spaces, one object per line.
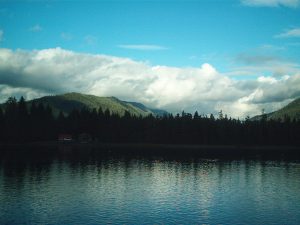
{"x":292,"y":110}
{"x":67,"y":102}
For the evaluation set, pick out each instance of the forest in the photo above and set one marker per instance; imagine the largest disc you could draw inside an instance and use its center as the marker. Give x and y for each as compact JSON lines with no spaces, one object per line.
{"x":20,"y":122}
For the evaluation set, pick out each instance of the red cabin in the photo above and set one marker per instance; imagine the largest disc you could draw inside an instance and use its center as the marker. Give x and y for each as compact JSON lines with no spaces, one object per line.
{"x":65,"y":137}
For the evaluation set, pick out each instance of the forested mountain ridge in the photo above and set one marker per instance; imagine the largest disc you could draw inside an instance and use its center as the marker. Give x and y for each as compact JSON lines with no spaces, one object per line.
{"x":69,"y":101}
{"x":21,"y":122}
{"x":290,"y":111}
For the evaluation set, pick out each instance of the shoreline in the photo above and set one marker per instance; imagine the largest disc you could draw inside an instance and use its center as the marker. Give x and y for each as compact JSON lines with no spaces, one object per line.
{"x":138,"y":144}
{"x":152,"y":148}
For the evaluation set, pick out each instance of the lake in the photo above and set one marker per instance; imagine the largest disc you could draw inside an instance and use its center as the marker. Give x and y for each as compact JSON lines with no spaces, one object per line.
{"x":72,"y":187}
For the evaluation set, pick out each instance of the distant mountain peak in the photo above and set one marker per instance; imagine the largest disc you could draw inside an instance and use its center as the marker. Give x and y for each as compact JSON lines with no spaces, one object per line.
{"x":291,"y":111}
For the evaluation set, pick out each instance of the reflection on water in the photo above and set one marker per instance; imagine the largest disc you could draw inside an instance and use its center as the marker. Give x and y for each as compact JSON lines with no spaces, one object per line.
{"x":74,"y":188}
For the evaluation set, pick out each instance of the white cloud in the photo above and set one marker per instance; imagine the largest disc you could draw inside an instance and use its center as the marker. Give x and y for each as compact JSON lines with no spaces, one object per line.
{"x":36,"y":28}
{"x":270,"y":80}
{"x":143,"y":47}
{"x":292,"y":33}
{"x":53,"y":71}
{"x":271,"y":3}
{"x":27,"y":93}
{"x":1,"y":35}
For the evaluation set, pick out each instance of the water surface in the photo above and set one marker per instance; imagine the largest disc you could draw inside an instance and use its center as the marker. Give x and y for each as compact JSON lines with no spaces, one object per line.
{"x":73,"y":188}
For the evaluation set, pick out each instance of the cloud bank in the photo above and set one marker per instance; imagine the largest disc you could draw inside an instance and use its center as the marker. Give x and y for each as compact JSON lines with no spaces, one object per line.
{"x":53,"y":71}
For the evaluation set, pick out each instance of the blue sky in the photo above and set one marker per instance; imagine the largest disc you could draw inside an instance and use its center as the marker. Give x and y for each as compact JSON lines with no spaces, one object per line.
{"x":189,"y":32}
{"x":241,"y":39}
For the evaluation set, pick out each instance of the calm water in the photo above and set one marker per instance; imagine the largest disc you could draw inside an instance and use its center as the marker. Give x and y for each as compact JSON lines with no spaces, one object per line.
{"x":71,"y":188}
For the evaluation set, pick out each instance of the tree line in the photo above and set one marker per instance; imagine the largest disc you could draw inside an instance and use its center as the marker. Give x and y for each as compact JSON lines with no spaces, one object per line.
{"x":23,"y":122}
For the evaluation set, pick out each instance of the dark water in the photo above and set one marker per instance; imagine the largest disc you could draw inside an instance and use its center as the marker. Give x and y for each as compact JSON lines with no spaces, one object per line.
{"x":75,"y":188}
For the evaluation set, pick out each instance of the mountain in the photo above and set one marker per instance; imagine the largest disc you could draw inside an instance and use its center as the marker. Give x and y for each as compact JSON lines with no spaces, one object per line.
{"x":67,"y":102}
{"x":292,"y":110}
{"x":158,"y":112}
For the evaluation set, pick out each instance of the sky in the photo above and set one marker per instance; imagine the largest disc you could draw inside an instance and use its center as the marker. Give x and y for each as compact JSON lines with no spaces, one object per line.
{"x":239,"y":56}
